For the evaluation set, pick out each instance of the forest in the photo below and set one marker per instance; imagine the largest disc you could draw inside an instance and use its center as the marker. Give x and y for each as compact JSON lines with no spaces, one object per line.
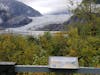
{"x":35,"y":51}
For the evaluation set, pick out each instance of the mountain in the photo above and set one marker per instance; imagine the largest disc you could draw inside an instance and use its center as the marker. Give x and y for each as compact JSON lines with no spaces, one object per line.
{"x":17,"y":21}
{"x":17,"y":8}
{"x":15,"y":14}
{"x":10,"y":21}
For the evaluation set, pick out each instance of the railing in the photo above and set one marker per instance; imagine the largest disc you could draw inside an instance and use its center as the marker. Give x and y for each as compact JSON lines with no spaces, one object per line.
{"x":12,"y":69}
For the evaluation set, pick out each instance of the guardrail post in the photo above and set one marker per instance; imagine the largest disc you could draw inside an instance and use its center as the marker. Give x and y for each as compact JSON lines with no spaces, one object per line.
{"x":7,"y":68}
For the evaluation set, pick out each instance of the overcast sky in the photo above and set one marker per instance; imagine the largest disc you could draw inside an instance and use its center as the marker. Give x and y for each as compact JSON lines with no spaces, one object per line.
{"x":48,"y":6}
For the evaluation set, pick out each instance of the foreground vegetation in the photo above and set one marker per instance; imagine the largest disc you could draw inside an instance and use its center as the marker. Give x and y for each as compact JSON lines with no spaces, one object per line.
{"x":31,"y":50}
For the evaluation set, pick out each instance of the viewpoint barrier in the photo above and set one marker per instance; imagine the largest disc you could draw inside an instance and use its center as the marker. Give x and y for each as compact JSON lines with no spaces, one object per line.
{"x":10,"y":68}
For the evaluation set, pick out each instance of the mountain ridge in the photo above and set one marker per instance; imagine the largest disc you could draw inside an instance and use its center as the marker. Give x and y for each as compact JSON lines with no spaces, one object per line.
{"x":18,"y":8}
{"x":15,"y":14}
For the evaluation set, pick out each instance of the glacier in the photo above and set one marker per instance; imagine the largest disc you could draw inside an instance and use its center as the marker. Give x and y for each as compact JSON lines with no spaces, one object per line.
{"x":40,"y":22}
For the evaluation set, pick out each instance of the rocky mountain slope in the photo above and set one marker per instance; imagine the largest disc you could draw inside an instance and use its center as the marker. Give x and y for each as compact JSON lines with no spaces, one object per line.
{"x":17,"y":8}
{"x":15,"y":14}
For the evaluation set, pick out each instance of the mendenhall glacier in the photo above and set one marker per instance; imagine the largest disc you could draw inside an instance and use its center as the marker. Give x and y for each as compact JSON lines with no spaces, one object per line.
{"x":36,"y":15}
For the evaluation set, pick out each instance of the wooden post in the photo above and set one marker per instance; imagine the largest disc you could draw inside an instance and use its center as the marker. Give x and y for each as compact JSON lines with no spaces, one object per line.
{"x":7,"y":68}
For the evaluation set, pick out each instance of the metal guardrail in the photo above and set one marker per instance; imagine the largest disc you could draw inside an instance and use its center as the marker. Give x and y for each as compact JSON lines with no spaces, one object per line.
{"x":31,"y":68}
{"x":12,"y":69}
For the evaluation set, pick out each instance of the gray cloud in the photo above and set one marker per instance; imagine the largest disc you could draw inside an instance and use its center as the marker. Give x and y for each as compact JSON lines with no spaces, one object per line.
{"x":47,"y":6}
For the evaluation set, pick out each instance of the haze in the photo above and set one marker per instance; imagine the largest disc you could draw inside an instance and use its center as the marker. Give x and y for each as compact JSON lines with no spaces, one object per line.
{"x":52,"y":6}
